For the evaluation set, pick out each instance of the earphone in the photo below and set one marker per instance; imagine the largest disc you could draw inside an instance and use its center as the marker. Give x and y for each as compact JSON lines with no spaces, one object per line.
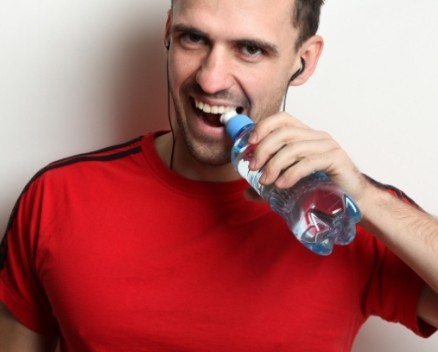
{"x":167,"y":44}
{"x":300,"y":71}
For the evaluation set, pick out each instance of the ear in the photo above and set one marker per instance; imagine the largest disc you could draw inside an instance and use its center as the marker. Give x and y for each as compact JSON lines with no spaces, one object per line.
{"x":310,"y":51}
{"x":168,"y":27}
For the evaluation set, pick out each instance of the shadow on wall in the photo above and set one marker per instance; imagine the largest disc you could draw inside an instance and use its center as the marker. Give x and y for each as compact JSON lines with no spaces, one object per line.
{"x":141,"y":86}
{"x":100,"y":86}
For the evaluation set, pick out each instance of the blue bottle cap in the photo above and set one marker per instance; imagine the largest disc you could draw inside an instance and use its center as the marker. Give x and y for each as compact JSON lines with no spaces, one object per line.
{"x":234,"y":123}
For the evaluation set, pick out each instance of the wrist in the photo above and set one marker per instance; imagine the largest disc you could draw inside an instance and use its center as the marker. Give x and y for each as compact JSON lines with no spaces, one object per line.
{"x":372,"y":200}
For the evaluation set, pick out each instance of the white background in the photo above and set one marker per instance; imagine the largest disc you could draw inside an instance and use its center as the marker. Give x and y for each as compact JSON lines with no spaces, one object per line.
{"x":81,"y":75}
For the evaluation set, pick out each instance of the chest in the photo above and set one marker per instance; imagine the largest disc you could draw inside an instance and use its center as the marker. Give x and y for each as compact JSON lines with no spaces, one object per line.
{"x":209,"y":284}
{"x":192,"y":275}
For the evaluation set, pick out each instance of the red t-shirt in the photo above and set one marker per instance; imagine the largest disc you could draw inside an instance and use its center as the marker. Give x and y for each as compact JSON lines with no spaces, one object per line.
{"x":115,"y":252}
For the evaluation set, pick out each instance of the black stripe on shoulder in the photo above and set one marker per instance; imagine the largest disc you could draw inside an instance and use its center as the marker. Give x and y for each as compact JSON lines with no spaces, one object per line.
{"x":114,"y":152}
{"x":89,"y":157}
{"x":106,"y":154}
{"x":107,"y":150}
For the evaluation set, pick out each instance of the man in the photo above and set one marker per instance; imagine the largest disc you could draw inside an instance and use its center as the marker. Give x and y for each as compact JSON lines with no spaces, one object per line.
{"x":151,"y":246}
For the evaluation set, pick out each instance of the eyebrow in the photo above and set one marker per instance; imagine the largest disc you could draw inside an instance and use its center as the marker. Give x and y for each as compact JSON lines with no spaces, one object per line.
{"x":264,"y":45}
{"x":270,"y":48}
{"x":181,"y":28}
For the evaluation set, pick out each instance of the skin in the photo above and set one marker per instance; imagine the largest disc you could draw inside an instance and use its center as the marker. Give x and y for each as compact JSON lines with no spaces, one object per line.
{"x":15,"y":337}
{"x":217,"y":57}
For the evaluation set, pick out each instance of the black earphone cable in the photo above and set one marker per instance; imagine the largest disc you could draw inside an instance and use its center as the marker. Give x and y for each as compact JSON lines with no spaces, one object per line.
{"x":295,"y":75}
{"x":169,"y":118}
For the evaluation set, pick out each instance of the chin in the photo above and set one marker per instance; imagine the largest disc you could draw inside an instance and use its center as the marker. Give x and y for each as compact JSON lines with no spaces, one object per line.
{"x":212,"y":154}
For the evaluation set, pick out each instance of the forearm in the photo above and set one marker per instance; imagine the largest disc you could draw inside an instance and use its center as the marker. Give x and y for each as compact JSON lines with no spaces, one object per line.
{"x":16,"y":337}
{"x":409,"y":232}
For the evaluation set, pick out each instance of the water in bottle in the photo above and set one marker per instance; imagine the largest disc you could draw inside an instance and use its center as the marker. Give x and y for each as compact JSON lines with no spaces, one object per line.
{"x":316,"y":210}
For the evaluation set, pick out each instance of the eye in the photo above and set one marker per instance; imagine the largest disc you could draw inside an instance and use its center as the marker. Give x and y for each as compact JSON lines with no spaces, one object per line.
{"x":191,"y":38}
{"x":252,"y":50}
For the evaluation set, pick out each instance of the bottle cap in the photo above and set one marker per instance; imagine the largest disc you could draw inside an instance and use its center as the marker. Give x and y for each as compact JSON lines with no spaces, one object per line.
{"x":234,"y":123}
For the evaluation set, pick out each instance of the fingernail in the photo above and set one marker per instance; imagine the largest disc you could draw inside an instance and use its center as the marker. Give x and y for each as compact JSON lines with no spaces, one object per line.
{"x":280,"y":182}
{"x":252,"y":138}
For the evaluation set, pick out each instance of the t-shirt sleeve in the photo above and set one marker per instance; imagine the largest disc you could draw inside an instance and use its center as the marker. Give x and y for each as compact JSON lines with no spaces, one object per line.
{"x":21,"y":290}
{"x":393,"y":293}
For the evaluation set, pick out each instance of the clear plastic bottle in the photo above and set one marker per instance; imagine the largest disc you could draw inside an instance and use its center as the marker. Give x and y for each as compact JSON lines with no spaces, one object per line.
{"x":316,"y":210}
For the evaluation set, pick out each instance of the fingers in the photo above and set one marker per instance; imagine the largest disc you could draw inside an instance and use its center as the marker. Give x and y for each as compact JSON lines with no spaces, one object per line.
{"x":288,"y":150}
{"x":275,"y":133}
{"x":275,"y":122}
{"x":299,"y":159}
{"x":306,"y":166}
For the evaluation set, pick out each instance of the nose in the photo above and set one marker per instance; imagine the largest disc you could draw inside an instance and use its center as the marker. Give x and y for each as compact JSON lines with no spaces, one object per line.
{"x":215,"y":72}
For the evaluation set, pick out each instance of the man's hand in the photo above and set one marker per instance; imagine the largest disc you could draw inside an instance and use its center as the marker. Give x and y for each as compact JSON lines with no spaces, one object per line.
{"x":288,"y":150}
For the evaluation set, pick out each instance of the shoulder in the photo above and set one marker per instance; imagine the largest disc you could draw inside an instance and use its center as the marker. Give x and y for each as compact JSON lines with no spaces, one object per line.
{"x":72,"y":174}
{"x":108,"y":154}
{"x":89,"y":161}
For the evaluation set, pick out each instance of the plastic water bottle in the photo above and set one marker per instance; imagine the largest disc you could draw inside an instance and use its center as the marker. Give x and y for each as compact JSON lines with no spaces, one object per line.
{"x":316,"y":210}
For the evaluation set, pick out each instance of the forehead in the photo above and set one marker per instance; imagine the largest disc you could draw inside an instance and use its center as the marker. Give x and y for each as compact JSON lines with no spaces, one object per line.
{"x":244,"y":18}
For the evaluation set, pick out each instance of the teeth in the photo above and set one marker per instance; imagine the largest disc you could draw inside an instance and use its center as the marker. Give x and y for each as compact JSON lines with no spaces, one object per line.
{"x":209,"y":109}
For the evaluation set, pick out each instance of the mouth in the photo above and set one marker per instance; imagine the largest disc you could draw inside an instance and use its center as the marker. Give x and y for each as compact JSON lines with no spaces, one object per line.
{"x":211,"y":114}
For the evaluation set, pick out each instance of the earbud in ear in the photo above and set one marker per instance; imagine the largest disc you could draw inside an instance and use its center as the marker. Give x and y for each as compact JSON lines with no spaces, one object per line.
{"x":167,"y":44}
{"x":300,"y":70}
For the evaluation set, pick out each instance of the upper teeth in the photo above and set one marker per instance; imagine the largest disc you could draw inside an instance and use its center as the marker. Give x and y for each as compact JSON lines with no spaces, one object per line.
{"x":209,"y":109}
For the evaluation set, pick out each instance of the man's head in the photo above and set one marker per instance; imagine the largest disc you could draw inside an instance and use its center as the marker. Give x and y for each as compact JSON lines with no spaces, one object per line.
{"x":226,"y":54}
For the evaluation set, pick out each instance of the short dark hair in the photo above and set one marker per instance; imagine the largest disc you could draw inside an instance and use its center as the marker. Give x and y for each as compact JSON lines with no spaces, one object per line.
{"x":305,"y":18}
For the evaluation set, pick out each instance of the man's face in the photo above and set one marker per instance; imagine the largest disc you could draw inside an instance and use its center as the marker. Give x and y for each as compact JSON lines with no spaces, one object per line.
{"x":226,"y":54}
